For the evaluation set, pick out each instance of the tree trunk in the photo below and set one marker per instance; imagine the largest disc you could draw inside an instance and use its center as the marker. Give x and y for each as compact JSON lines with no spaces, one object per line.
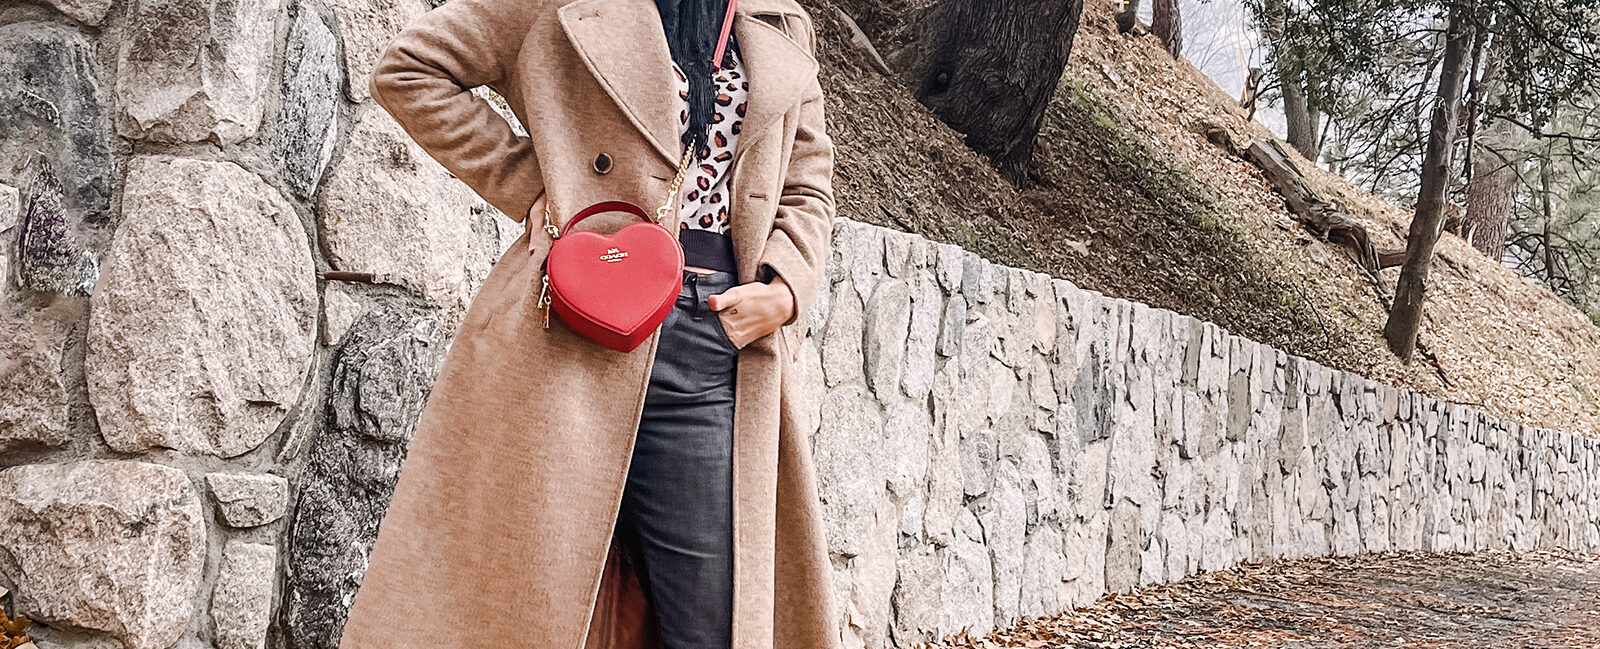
{"x":1302,"y":121}
{"x":1167,"y":24}
{"x":1497,"y":159}
{"x":1405,"y":317}
{"x":1301,"y":118}
{"x":989,"y":69}
{"x":1315,"y":213}
{"x":1492,"y":192}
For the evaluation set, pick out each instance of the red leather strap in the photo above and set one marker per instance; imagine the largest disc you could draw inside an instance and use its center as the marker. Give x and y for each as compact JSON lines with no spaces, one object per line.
{"x":722,"y":41}
{"x":602,"y":208}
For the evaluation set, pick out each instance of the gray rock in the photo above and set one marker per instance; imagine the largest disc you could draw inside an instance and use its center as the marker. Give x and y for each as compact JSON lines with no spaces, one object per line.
{"x":1084,"y":553}
{"x":33,"y":398}
{"x":47,"y":246}
{"x":816,"y":319}
{"x":89,"y":12}
{"x":381,"y":376}
{"x":862,"y":254}
{"x":927,"y":306}
{"x":306,"y":125}
{"x":953,"y":326}
{"x":366,"y":27}
{"x":851,"y":467}
{"x":249,"y":500}
{"x":1043,"y":298}
{"x":945,"y":481}
{"x":950,"y":265}
{"x":342,"y":306}
{"x":71,"y":638}
{"x":918,"y":595}
{"x":391,"y":210}
{"x":907,"y":447}
{"x":241,"y":599}
{"x":1044,"y":588}
{"x":897,"y":250}
{"x":1123,"y":548}
{"x":54,"y":112}
{"x":202,"y":330}
{"x":977,"y":279}
{"x":1038,"y":480}
{"x":888,"y":317}
{"x":195,"y":70}
{"x":842,"y":356}
{"x":968,"y":592}
{"x":808,"y":374}
{"x":977,"y":461}
{"x":1004,"y":517}
{"x":111,"y":545}
{"x":868,"y":613}
{"x":10,"y":211}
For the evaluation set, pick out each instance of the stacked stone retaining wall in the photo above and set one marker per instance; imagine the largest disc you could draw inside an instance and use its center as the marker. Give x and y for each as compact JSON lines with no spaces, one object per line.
{"x":994,"y":444}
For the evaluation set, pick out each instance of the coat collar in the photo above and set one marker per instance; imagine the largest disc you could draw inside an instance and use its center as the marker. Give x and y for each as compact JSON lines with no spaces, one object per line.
{"x":622,"y":45}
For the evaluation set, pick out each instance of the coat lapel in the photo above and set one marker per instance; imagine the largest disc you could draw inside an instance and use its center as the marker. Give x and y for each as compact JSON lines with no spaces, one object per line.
{"x":779,"y":69}
{"x":622,"y":44}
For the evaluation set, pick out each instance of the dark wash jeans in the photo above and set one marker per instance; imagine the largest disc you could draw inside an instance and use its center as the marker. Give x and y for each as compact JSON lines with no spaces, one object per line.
{"x":676,"y":520}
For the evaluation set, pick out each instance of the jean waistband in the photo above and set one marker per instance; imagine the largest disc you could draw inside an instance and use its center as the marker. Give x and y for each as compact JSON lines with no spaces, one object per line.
{"x":720,"y":279}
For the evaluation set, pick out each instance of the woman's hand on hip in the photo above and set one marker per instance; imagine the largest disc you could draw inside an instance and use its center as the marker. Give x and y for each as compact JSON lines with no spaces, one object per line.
{"x":750,"y":311}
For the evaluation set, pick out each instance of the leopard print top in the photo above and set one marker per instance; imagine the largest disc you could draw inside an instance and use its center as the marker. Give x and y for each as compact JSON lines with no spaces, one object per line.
{"x":706,"y":195}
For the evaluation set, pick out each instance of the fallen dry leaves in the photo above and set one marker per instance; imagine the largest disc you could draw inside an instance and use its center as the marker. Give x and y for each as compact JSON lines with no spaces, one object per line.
{"x":1483,"y":600}
{"x":12,"y":630}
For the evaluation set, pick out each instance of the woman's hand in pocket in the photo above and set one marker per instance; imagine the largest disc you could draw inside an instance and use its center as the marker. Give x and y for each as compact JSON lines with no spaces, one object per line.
{"x":750,"y":311}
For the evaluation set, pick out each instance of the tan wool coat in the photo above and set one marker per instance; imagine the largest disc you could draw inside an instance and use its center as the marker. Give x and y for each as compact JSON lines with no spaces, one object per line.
{"x":499,"y":534}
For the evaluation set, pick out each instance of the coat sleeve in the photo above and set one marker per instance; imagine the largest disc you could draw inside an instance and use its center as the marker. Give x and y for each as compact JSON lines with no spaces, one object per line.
{"x":802,"y":231}
{"x":424,"y":80}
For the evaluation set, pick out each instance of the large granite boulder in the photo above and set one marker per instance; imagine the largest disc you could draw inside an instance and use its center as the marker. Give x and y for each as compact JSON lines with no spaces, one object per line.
{"x":87,"y":11}
{"x":195,"y":70}
{"x":382,"y":374}
{"x":391,"y":210}
{"x":202,"y":327}
{"x":366,"y":27}
{"x":306,"y":126}
{"x":53,"y":111}
{"x":111,"y":545}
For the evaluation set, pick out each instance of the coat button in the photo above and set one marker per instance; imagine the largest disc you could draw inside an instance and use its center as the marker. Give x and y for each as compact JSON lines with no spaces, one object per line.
{"x":602,"y":163}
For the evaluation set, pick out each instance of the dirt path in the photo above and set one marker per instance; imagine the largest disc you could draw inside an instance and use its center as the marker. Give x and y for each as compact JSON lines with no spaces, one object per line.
{"x":1478,"y":601}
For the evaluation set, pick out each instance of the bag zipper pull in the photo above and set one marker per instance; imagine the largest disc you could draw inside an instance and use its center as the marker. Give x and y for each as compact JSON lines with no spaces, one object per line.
{"x":544,"y":299}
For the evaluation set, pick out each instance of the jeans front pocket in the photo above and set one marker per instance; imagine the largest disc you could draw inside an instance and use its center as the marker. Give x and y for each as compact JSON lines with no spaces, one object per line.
{"x":722,"y":332}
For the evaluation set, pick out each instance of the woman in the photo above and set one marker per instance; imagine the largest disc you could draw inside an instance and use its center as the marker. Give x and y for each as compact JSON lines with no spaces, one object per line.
{"x":560,"y":494}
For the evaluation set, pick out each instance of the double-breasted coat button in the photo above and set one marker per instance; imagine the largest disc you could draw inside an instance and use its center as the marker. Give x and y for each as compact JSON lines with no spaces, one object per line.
{"x":602,"y":163}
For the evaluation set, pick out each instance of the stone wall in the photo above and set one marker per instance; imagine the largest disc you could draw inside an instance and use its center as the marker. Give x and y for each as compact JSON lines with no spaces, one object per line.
{"x":994,"y":444}
{"x":229,"y":280}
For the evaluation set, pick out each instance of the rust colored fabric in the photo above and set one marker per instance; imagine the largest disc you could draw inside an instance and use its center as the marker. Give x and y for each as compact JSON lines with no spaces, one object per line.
{"x":501,"y":524}
{"x":621,"y":614}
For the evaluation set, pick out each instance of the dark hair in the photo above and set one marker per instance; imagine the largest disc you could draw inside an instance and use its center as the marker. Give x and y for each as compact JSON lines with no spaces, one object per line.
{"x":692,"y":28}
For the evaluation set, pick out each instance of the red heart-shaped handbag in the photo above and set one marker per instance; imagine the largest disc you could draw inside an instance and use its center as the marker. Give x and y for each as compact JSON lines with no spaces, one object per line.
{"x":613,"y":289}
